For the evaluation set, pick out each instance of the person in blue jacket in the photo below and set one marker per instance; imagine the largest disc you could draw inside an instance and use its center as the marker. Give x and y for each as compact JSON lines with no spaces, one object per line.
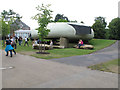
{"x":9,"y":47}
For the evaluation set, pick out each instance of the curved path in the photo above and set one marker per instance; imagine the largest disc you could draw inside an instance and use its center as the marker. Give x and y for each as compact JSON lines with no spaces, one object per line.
{"x":31,"y":72}
{"x":103,"y":55}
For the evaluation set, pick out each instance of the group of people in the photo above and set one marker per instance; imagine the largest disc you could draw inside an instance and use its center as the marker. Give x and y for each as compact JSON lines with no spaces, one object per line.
{"x":11,"y":44}
{"x":80,"y":43}
{"x":37,"y":41}
{"x":20,"y":41}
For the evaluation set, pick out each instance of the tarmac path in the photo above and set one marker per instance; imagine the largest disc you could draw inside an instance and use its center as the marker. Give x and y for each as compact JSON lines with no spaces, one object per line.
{"x":103,"y":55}
{"x":31,"y":72}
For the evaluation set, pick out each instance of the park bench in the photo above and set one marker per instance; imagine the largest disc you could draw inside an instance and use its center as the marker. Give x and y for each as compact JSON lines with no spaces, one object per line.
{"x":47,"y":47}
{"x":36,"y":46}
{"x":85,"y":46}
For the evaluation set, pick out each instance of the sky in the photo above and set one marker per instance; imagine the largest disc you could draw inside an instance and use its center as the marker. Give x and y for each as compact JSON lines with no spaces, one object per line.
{"x":80,"y":10}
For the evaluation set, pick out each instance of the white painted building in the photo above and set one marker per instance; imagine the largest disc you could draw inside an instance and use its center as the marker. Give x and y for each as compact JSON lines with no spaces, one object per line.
{"x":22,"y":33}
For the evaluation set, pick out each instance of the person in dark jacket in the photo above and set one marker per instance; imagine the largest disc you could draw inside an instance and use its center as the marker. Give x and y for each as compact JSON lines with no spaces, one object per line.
{"x":9,"y":47}
{"x":20,"y":40}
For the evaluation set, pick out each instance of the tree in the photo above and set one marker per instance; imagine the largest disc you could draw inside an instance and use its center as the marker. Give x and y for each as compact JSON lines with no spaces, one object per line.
{"x":114,"y":29}
{"x":107,"y":33}
{"x":82,"y":22}
{"x":4,"y":29}
{"x":0,"y":28}
{"x":99,"y":27}
{"x":102,"y":21}
{"x":61,"y":17}
{"x":9,"y":17}
{"x":62,"y":20}
{"x":43,"y":18}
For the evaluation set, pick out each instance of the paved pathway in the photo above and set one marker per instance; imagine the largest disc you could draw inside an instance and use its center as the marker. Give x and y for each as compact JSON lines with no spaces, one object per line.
{"x":31,"y":72}
{"x":103,"y":55}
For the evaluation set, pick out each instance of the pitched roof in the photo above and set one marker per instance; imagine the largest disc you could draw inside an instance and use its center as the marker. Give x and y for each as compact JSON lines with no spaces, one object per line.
{"x":20,"y":24}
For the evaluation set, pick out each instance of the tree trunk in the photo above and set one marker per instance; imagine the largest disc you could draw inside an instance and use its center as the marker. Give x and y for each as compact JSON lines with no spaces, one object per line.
{"x":4,"y":41}
{"x":44,"y":46}
{"x":39,"y":47}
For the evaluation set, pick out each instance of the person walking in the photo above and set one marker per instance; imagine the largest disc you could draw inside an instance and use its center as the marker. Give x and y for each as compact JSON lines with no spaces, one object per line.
{"x":13,"y":44}
{"x":9,"y":47}
{"x":16,"y":39}
{"x":20,"y":40}
{"x":26,"y":41}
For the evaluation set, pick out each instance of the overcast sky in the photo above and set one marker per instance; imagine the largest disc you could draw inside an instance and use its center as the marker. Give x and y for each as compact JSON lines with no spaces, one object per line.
{"x":80,"y":10}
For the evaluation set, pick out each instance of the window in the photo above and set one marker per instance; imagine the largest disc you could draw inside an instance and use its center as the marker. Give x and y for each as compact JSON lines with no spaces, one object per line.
{"x":81,"y":29}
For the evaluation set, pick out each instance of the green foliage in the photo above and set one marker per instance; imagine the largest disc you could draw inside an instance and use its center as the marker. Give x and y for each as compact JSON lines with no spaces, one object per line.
{"x":0,"y":28}
{"x":102,"y":20}
{"x":10,"y":15}
{"x":100,"y":31}
{"x":107,"y":35}
{"x":114,"y":29}
{"x":99,"y":27}
{"x":5,"y":29}
{"x":43,"y":18}
{"x":61,"y":17}
{"x":62,"y":20}
{"x":9,"y":18}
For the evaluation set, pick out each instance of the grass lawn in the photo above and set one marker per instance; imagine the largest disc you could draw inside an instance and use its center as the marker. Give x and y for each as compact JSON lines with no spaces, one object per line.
{"x":67,"y":52}
{"x":109,"y":66}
